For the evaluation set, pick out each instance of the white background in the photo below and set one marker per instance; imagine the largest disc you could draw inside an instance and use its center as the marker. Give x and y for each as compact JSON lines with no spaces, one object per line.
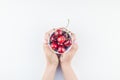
{"x":96,"y":24}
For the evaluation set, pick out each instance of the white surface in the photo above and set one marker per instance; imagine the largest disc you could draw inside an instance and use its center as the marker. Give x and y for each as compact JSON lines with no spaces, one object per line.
{"x":96,"y":24}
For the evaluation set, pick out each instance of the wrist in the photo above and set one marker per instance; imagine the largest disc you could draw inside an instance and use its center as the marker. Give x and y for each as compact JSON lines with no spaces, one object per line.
{"x":67,"y":70}
{"x":52,"y":63}
{"x":65,"y":65}
{"x":49,"y":69}
{"x":52,"y":66}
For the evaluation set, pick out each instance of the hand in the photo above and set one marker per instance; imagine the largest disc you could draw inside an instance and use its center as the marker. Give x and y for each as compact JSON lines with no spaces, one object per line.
{"x":52,"y":58}
{"x":65,"y":62}
{"x":66,"y":58}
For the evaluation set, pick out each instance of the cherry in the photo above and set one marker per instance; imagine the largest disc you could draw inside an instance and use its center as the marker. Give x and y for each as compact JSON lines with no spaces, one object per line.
{"x":53,"y":38}
{"x":58,"y":32}
{"x":60,"y":44}
{"x":54,"y":46}
{"x":66,"y":34}
{"x":61,"y":49}
{"x":68,"y":43}
{"x":61,"y":39}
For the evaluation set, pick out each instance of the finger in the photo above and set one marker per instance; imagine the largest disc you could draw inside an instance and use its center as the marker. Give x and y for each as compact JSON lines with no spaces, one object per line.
{"x":73,"y":49}
{"x":47,"y":34}
{"x":62,"y":57}
{"x":70,"y":53}
{"x":73,"y":37}
{"x":46,"y":48}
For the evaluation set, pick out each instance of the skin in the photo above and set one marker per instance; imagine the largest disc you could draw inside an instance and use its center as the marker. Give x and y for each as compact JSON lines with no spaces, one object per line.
{"x":64,"y":60}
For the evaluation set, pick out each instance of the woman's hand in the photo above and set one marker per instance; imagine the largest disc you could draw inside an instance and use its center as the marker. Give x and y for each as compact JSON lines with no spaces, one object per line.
{"x":51,"y":58}
{"x":66,"y":58}
{"x":65,"y":62}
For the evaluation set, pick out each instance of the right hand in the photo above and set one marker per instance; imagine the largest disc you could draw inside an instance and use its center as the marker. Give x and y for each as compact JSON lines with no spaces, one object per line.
{"x":65,"y":58}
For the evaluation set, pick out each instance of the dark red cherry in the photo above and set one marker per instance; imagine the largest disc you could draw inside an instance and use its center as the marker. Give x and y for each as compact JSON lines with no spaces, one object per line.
{"x":61,"y":39}
{"x":68,"y":43}
{"x":61,"y":49}
{"x":54,"y":46}
{"x":66,"y":35}
{"x":53,"y":38}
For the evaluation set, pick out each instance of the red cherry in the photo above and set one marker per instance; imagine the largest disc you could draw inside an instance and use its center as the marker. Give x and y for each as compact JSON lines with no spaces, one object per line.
{"x":58,"y":32}
{"x":54,"y":46}
{"x":52,"y":38}
{"x":61,"y":39}
{"x":60,"y":44}
{"x":66,"y":35}
{"x":68,"y":43}
{"x":61,"y":49}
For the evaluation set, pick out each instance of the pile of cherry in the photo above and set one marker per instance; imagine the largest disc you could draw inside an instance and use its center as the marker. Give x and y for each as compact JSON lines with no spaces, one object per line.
{"x":60,"y":41}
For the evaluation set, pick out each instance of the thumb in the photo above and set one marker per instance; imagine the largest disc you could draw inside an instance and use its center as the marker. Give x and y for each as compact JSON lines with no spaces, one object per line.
{"x":46,"y":48}
{"x":73,"y":50}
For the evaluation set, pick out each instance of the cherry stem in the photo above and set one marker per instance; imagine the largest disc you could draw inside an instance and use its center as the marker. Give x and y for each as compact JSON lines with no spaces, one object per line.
{"x":68,"y":23}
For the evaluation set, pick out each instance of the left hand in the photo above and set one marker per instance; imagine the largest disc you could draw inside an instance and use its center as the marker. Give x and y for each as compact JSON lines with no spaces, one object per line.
{"x":51,"y":57}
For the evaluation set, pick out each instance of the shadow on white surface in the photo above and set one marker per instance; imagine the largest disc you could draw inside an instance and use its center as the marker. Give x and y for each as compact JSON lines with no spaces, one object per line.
{"x":59,"y":75}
